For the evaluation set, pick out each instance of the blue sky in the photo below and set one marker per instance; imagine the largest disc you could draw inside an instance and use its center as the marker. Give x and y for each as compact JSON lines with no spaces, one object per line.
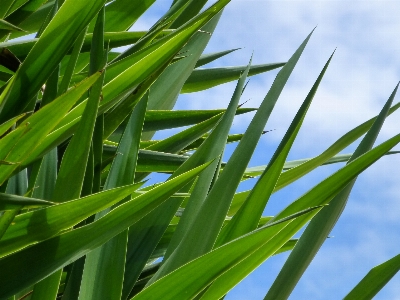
{"x":362,"y":75}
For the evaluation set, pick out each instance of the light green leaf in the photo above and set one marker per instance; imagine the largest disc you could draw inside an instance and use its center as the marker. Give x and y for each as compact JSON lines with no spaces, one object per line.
{"x":214,"y":145}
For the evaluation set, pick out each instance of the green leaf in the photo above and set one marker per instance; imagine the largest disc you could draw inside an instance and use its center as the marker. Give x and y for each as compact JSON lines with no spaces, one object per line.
{"x":73,"y":58}
{"x":4,"y":25}
{"x":39,"y":125}
{"x":167,"y":88}
{"x":17,"y":184}
{"x":15,"y":5}
{"x":40,"y":260}
{"x":7,"y":125}
{"x":203,"y":232}
{"x":258,"y":170}
{"x":182,"y":139}
{"x":5,"y":6}
{"x":231,"y":139}
{"x":72,"y":170}
{"x":132,"y":70}
{"x":47,"y":288}
{"x":21,"y":48}
{"x":214,"y":145}
{"x":152,"y":161}
{"x":320,"y":227}
{"x":122,"y":14}
{"x":212,"y":148}
{"x":9,"y":61}
{"x":30,"y":17}
{"x":166,"y":119}
{"x":202,"y":79}
{"x":375,"y":280}
{"x":104,"y":267}
{"x":8,"y":202}
{"x":329,"y":187}
{"x":246,"y":219}
{"x":53,"y":44}
{"x":207,"y":58}
{"x":199,"y":273}
{"x":192,"y":9}
{"x":344,"y":141}
{"x":57,"y":218}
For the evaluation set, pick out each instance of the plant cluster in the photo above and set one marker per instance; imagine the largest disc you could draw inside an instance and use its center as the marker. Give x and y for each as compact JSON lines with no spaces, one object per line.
{"x":77,"y":120}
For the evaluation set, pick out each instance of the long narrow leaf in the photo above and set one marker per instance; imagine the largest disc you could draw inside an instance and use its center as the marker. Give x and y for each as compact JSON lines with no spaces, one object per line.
{"x":375,"y":280}
{"x":320,"y":227}
{"x":204,"y":230}
{"x":40,"y":260}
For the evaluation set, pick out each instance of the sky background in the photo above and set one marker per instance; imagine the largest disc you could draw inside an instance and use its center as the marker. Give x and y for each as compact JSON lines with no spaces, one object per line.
{"x":363,"y":73}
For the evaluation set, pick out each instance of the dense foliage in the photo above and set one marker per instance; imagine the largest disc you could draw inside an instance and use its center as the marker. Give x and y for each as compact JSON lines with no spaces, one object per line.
{"x":77,"y":220}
